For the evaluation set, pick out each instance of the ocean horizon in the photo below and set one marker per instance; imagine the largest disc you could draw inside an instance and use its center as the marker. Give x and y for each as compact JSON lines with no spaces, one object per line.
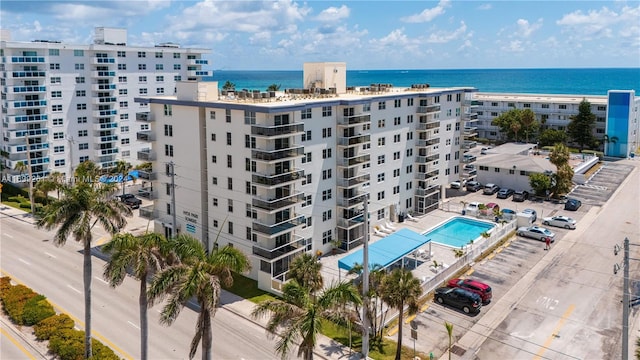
{"x":578,"y":81}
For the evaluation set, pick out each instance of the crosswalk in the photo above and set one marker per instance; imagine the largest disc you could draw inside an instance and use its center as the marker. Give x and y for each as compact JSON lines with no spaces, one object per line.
{"x":597,"y":187}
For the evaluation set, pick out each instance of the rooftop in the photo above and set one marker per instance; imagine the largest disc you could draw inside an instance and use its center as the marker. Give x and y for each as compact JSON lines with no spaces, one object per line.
{"x":545,"y":98}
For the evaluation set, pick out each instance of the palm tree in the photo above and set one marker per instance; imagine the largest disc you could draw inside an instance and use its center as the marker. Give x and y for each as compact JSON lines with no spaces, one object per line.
{"x":449,"y":327}
{"x":375,"y":312}
{"x":229,"y":86}
{"x":273,"y":87}
{"x":528,"y":122}
{"x":305,"y":269}
{"x":144,"y":255}
{"x":21,"y":167}
{"x":300,"y":312}
{"x":400,"y":288}
{"x":52,"y":182}
{"x":122,"y":168}
{"x":200,"y":275}
{"x":515,"y":127}
{"x":82,"y":206}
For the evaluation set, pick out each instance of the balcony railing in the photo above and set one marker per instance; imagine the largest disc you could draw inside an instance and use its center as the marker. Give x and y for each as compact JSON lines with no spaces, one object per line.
{"x":277,"y":179}
{"x":274,"y":229}
{"x":277,"y":204}
{"x":105,"y":126}
{"x":355,"y":198}
{"x":358,"y":160}
{"x":27,"y":89}
{"x":423,"y":143}
{"x":468,"y":159}
{"x":22,"y":133}
{"x":105,"y":113}
{"x":103,"y":60}
{"x":101,"y":74}
{"x":30,"y":103}
{"x":145,"y":136}
{"x":28,"y":59}
{"x":427,"y":159}
{"x":27,"y":118}
{"x":148,"y":212}
{"x":144,"y":116}
{"x":107,"y":139}
{"x":104,"y":100}
{"x":354,"y":120}
{"x":422,"y":126}
{"x":354,"y":140}
{"x":277,"y":130}
{"x":146,"y":155}
{"x":29,"y":74}
{"x":146,"y":175}
{"x":103,"y":152}
{"x":148,"y":193}
{"x":429,"y":109}
{"x":103,"y":87}
{"x":354,"y":181}
{"x":197,"y":62}
{"x":429,"y":190}
{"x":198,"y":73}
{"x":274,"y":155}
{"x":351,"y":223}
{"x":282,"y":250}
{"x":427,"y":175}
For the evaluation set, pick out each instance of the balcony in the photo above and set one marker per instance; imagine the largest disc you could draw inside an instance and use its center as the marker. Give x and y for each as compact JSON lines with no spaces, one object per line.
{"x":299,"y":244}
{"x":359,"y":119}
{"x":192,"y":73}
{"x":103,"y":87}
{"x":431,"y":189}
{"x":353,"y":181}
{"x":27,"y":59}
{"x":103,"y":152}
{"x":145,"y":136}
{"x":277,"y":204}
{"x":469,"y":172}
{"x":277,"y":179}
{"x":354,"y":140}
{"x":18,"y":134}
{"x":351,"y":223}
{"x":427,"y":159}
{"x":17,"y":149}
{"x":427,"y":175}
{"x":27,"y":89}
{"x":470,"y":117}
{"x":277,"y":130}
{"x":148,"y":193}
{"x":353,"y":198}
{"x":103,"y":60}
{"x":354,"y":161}
{"x":428,"y":125}
{"x":107,"y":139}
{"x":429,"y":109}
{"x":28,"y":74}
{"x":104,"y":100}
{"x":16,"y":119}
{"x":144,"y":116}
{"x":28,"y":103}
{"x":277,"y":155}
{"x":103,"y":74}
{"x":146,"y":155}
{"x":105,"y":126}
{"x":424,"y":143}
{"x":105,"y":113}
{"x":197,"y":62}
{"x":277,"y":229}
{"x":467,"y":159}
{"x":148,"y":212}
{"x":470,"y":131}
{"x":146,"y":175}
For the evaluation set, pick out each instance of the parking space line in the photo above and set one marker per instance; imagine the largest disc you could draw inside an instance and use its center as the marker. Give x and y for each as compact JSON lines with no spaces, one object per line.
{"x":393,"y":331}
{"x":409,"y":319}
{"x":470,"y":271}
{"x":491,"y":256}
{"x":424,"y":307}
{"x":555,"y":332}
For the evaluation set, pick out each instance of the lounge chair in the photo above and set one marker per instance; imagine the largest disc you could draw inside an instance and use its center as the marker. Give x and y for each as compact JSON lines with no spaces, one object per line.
{"x":384,"y":229}
{"x":389,"y":225}
{"x":409,"y":217}
{"x":378,"y":232}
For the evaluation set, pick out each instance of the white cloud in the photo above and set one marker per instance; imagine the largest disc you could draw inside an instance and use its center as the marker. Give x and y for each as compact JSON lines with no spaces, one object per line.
{"x":598,"y":23}
{"x":446,"y":36}
{"x":428,"y":14}
{"x":485,"y":7}
{"x":333,"y":14}
{"x":514,"y":46}
{"x":525,"y":29}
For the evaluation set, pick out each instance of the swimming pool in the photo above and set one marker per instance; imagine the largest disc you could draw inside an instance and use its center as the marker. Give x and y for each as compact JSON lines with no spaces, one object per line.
{"x":458,"y":231}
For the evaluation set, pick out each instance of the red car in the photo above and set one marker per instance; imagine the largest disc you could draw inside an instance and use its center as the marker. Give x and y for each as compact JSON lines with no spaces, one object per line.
{"x":473,"y":286}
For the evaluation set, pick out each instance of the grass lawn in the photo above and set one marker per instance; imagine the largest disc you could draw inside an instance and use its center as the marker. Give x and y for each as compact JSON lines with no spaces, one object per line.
{"x":248,"y":289}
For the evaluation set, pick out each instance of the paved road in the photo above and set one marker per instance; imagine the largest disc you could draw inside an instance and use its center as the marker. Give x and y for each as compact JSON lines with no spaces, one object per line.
{"x":13,"y":345}
{"x":29,"y":257}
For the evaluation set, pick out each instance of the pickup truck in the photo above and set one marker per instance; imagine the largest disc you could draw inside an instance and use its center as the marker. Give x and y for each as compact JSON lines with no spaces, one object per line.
{"x":130,"y":200}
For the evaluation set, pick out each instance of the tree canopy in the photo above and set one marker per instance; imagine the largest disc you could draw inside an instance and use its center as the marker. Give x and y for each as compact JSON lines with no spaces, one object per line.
{"x":516,"y":121}
{"x":550,"y":137}
{"x":228,"y":86}
{"x":580,"y":129}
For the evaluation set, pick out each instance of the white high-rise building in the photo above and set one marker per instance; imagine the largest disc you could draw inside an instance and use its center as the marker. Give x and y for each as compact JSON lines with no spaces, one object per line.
{"x":276,"y":174}
{"x":71,"y":103}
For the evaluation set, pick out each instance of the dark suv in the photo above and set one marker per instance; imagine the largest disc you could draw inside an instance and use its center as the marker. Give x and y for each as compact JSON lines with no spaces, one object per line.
{"x":130,"y":199}
{"x":473,"y":286}
{"x":520,"y":196}
{"x":459,"y":298}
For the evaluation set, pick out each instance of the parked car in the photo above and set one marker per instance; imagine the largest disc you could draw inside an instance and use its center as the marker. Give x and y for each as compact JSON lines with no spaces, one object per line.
{"x":473,"y":186}
{"x":520,"y":195}
{"x":472,"y":208}
{"x":483,"y":151}
{"x":459,"y":298}
{"x":469,"y":167}
{"x":504,"y":193}
{"x":130,"y":200}
{"x":457,"y":184}
{"x":492,"y":207}
{"x":490,"y":189}
{"x":536,"y":232}
{"x":473,"y":286}
{"x":572,"y":204}
{"x":560,"y":221}
{"x":532,"y":212}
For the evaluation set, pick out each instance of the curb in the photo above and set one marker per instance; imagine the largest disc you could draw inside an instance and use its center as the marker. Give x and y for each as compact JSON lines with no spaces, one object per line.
{"x":34,"y":350}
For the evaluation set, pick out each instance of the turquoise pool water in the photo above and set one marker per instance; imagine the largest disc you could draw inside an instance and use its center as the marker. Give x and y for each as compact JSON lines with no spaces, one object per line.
{"x":458,"y":231}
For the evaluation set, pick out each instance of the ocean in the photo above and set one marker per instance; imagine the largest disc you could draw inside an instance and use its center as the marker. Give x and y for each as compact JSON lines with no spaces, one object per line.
{"x":593,"y":81}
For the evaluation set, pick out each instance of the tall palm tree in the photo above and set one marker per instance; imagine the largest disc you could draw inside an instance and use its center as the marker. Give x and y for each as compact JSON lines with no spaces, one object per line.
{"x":52,"y":182}
{"x":81,"y":207}
{"x":300,"y":312}
{"x":122,"y":168}
{"x":200,"y":275}
{"x":21,"y":167}
{"x":229,"y":86}
{"x":400,"y":288}
{"x":144,"y":255}
{"x":528,"y":122}
{"x":305,"y":269}
{"x":515,"y":127}
{"x":375,"y":312}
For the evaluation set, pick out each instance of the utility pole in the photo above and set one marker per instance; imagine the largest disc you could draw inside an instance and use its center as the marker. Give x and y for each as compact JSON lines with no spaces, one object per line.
{"x":173,"y":198}
{"x":365,"y":281}
{"x":30,"y":171}
{"x":625,"y":302}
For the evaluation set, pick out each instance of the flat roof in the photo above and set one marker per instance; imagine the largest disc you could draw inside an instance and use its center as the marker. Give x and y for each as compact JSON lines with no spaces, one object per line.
{"x":541,"y":98}
{"x":518,"y":162}
{"x":387,"y":250}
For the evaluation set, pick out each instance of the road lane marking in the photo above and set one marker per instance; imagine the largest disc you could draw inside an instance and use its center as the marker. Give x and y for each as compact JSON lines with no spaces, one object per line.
{"x":101,"y":279}
{"x":134,"y":325}
{"x":424,"y":307}
{"x":74,"y":289}
{"x":16,"y":343}
{"x":555,"y":332}
{"x":77,"y":321}
{"x":50,"y":255}
{"x":23,"y":261}
{"x":101,"y":241}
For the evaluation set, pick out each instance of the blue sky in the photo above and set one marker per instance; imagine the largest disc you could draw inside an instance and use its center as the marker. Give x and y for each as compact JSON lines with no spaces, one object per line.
{"x":274,"y":35}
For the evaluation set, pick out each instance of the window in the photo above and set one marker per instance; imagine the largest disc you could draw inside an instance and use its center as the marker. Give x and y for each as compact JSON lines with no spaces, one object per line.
{"x":58,"y":135}
{"x":168,"y":150}
{"x":380,"y":178}
{"x":396,"y":172}
{"x":396,"y":189}
{"x":158,"y":55}
{"x":305,"y":114}
{"x":326,"y":215}
{"x":83,"y":133}
{"x":306,"y":158}
{"x":526,"y":105}
{"x":410,"y":102}
{"x":159,"y":91}
{"x":124,"y":104}
{"x":214,"y":159}
{"x":307,"y":200}
{"x":160,"y":78}
{"x":214,"y":180}
{"x":326,"y":111}
{"x":176,"y":66}
{"x":381,"y":141}
{"x":449,"y":97}
{"x":409,"y":169}
{"x":122,"y":66}
{"x":83,"y":146}
{"x":326,"y":133}
{"x":326,"y":194}
{"x":168,"y":130}
{"x":409,"y":119}
{"x":176,"y":55}
{"x":168,"y":110}
{"x":142,"y":91}
{"x":381,"y":123}
{"x":326,"y":153}
{"x":229,"y":184}
{"x":56,"y":107}
{"x":79,"y":66}
{"x":306,"y":136}
{"x":229,"y":138}
{"x":142,"y":79}
{"x":82,"y":119}
{"x":80,"y":80}
{"x":396,"y":138}
{"x":58,"y":122}
{"x":177,"y":78}
{"x":59,"y":162}
{"x":122,"y":79}
{"x":381,"y":197}
{"x":396,"y":120}
{"x":56,"y":94}
{"x":230,"y":228}
{"x":81,"y":93}
{"x":54,"y":66}
{"x":58,"y":149}
{"x":124,"y":141}
{"x":326,"y":174}
{"x":326,"y":237}
{"x":56,"y":80}
{"x":396,"y":155}
{"x":78,"y":52}
{"x":122,"y":54}
{"x":396,"y":103}
{"x":123,"y":91}
{"x":124,"y":129}
{"x":124,"y":116}
{"x":84,"y":158}
{"x":54,"y":52}
{"x":380,"y":159}
{"x":382,"y":105}
{"x":81,"y":106}
{"x":409,"y":152}
{"x":409,"y":136}
{"x":142,"y":54}
{"x":229,"y":161}
{"x":227,"y":114}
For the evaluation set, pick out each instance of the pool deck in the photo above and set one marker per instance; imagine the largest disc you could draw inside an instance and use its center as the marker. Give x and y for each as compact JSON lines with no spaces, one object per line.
{"x":441,"y":253}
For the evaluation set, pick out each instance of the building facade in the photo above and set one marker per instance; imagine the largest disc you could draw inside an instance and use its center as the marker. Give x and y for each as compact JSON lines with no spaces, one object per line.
{"x":276,"y":174}
{"x":623,"y":123}
{"x":63,"y":104}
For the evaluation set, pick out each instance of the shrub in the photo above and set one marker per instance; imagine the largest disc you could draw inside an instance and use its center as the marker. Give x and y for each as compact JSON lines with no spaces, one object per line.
{"x":25,"y":205}
{"x":5,"y":285}
{"x":37,"y":309}
{"x":68,"y":344}
{"x":15,"y":300}
{"x":47,"y":327}
{"x":17,"y":199}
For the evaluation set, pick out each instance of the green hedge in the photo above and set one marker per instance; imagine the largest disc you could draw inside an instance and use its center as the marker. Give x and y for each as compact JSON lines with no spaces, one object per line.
{"x":14,"y":300}
{"x":68,"y":344}
{"x":49,"y":326}
{"x":37,"y":309}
